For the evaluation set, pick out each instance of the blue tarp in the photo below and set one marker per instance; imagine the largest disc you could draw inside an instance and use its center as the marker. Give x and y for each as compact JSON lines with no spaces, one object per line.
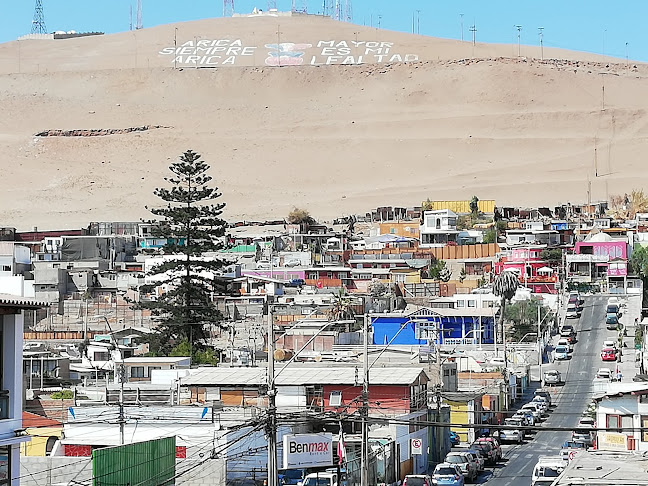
{"x":455,"y":327}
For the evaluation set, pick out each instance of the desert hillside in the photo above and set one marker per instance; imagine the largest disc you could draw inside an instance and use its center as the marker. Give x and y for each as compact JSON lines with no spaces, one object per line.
{"x":453,"y":121}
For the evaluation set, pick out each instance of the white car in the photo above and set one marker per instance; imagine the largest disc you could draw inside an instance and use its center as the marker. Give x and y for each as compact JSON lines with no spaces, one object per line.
{"x":511,"y":435}
{"x":468,"y":467}
{"x":542,"y":401}
{"x":586,"y":422}
{"x":561,"y":352}
{"x":565,"y":342}
{"x":535,"y":409}
{"x":604,"y":373}
{"x":573,"y":311}
{"x":609,"y":343}
{"x":553,"y":377}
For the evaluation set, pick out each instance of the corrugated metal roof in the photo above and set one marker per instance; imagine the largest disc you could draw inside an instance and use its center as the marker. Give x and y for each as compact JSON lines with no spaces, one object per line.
{"x":8,"y":300}
{"x":303,"y":376}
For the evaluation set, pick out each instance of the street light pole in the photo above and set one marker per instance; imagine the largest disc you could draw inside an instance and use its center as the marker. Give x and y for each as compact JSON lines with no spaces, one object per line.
{"x":540,"y":358}
{"x":272,"y":410}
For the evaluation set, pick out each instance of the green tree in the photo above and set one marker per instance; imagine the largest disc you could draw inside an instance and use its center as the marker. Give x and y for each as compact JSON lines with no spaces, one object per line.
{"x":639,"y":262}
{"x":445,"y":274}
{"x":504,"y":286}
{"x":300,"y":216}
{"x":462,"y":274}
{"x":435,"y":269}
{"x":523,"y":317}
{"x":490,"y":235}
{"x":474,"y":206}
{"x":552,"y":255}
{"x":192,"y":226}
{"x":205,"y":356}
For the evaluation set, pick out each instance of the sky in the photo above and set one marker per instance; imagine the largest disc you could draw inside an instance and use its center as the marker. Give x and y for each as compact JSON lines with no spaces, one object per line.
{"x":610,"y":27}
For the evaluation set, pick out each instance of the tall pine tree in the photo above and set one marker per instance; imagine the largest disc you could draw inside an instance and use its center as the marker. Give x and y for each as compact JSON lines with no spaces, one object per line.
{"x":192,"y":226}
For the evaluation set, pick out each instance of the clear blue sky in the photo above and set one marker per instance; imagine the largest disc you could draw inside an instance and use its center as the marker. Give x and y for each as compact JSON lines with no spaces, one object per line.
{"x":601,"y":26}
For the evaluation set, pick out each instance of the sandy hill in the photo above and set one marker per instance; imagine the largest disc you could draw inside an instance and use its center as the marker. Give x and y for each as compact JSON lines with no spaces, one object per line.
{"x":453,"y":121}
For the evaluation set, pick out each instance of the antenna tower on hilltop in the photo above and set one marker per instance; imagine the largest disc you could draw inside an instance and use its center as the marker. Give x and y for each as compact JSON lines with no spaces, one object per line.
{"x":272,"y":5}
{"x":228,"y":8}
{"x":328,"y":8}
{"x":348,"y":11}
{"x":303,"y":6}
{"x":139,"y":24}
{"x":38,"y":24}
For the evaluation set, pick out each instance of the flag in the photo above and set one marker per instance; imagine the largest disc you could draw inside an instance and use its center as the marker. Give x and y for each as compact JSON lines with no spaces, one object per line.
{"x":341,"y":450}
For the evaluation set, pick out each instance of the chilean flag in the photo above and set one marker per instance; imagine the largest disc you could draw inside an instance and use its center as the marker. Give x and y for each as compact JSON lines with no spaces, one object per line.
{"x":341,"y":450}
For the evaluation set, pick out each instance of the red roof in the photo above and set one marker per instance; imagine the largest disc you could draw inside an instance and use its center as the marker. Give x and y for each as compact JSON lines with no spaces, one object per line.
{"x":33,"y":420}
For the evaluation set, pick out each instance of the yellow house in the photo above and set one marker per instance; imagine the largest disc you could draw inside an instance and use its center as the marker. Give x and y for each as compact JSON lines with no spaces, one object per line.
{"x":465,"y":407}
{"x":406,"y":229}
{"x":44,"y":433}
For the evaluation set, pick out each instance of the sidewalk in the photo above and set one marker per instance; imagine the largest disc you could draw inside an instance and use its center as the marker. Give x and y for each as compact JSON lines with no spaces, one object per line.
{"x":629,"y":365}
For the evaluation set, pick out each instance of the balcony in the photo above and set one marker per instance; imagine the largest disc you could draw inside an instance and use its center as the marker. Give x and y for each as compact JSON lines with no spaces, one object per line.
{"x":4,"y":404}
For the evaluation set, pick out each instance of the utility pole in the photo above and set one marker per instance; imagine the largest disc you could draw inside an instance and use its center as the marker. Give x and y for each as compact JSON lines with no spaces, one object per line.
{"x":364,"y":453}
{"x":461,"y":22}
{"x":279,"y":64}
{"x":379,"y":21}
{"x":175,"y":49}
{"x":122,"y":418}
{"x":519,"y":34}
{"x":272,"y":410}
{"x":627,"y":57}
{"x":540,"y":349}
{"x":541,"y":34}
{"x":473,"y":29}
{"x":418,"y":21}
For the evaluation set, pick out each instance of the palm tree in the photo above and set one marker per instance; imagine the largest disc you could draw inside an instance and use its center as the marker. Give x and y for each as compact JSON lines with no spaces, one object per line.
{"x":504,"y":286}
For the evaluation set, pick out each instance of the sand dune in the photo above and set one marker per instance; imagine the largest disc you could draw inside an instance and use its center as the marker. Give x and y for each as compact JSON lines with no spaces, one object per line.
{"x":336,"y":139}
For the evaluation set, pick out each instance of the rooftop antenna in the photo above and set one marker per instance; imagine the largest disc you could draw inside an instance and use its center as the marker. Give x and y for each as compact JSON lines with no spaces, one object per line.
{"x":139,"y":24}
{"x":272,"y":5}
{"x":302,"y":8}
{"x":228,"y":8}
{"x":519,"y":34}
{"x":541,"y":34}
{"x":130,"y":23}
{"x":379,"y":21}
{"x":38,"y":24}
{"x":461,"y":21}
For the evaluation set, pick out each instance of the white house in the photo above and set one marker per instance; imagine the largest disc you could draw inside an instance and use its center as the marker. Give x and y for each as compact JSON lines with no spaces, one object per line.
{"x":438,"y":229}
{"x":11,"y":376}
{"x":623,"y":406}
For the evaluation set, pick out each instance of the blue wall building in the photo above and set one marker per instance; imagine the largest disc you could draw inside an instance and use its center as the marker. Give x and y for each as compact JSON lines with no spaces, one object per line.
{"x":458,"y":326}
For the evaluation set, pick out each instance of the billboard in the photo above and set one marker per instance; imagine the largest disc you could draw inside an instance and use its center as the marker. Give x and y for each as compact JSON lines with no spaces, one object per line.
{"x":307,"y":450}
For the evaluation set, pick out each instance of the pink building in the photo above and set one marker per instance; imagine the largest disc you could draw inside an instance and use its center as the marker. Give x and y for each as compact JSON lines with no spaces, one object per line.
{"x":533,"y":272}
{"x":600,"y":258}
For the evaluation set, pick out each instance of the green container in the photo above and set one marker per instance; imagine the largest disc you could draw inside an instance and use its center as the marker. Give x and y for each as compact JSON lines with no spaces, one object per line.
{"x":149,"y":463}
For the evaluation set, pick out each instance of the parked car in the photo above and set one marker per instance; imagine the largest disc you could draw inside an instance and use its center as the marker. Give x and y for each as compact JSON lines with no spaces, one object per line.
{"x":418,"y":480}
{"x":565,"y":342}
{"x":584,"y":436}
{"x":573,"y":311}
{"x":534,"y":409}
{"x":526,"y":416}
{"x":610,"y":343}
{"x":296,"y":282}
{"x":322,"y":479}
{"x":446,"y":474}
{"x":495,"y":443}
{"x":490,"y":454}
{"x":291,"y":476}
{"x":543,"y":402}
{"x":569,"y":446}
{"x":468,"y":468}
{"x":608,"y":354}
{"x":611,"y":322}
{"x":479,"y":458}
{"x":568,"y":333}
{"x":553,"y":377}
{"x":543,"y":393}
{"x":586,"y":423}
{"x":561,"y":352}
{"x":547,"y":469}
{"x":604,"y":373}
{"x":613,"y":309}
{"x":455,"y":440}
{"x":511,"y":435}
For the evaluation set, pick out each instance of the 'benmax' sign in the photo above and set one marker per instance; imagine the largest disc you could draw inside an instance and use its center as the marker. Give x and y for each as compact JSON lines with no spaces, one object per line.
{"x":307,"y":450}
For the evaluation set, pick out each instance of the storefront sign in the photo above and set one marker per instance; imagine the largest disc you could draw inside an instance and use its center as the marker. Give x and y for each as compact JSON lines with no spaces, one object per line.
{"x":307,"y":450}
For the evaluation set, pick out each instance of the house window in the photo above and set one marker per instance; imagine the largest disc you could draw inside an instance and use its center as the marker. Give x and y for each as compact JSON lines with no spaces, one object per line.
{"x":472,"y":303}
{"x":151,"y":368}
{"x":5,"y":465}
{"x":335,"y":399}
{"x":392,"y":231}
{"x":461,"y":303}
{"x":6,"y":268}
{"x":312,"y":275}
{"x":644,"y":428}
{"x":101,"y":356}
{"x":627,"y":424}
{"x":438,"y":223}
{"x":137,"y":372}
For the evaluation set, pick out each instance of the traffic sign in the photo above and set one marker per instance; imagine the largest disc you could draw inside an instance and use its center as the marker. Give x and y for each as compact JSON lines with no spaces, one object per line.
{"x":417,"y":447}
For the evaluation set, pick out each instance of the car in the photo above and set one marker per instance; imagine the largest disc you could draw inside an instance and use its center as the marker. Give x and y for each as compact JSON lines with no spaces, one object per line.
{"x":574,"y":299}
{"x":490,"y":455}
{"x":561,"y":353}
{"x":296,"y":282}
{"x":446,"y":474}
{"x":584,"y":436}
{"x":511,"y":435}
{"x":288,"y":477}
{"x":613,"y":309}
{"x":608,"y":354}
{"x":322,"y":479}
{"x":418,"y":480}
{"x":495,"y":443}
{"x":565,"y":342}
{"x":455,"y":440}
{"x":568,"y":333}
{"x":535,"y":409}
{"x":461,"y":460}
{"x":547,"y":469}
{"x":571,"y":446}
{"x":542,"y":401}
{"x":497,"y":361}
{"x":553,"y":377}
{"x":573,"y":311}
{"x":611,"y":322}
{"x":604,"y":373}
{"x":609,"y":343}
{"x":586,"y":423}
{"x":543,"y":393}
{"x":526,"y":416}
{"x":574,"y":294}
{"x":479,"y":458}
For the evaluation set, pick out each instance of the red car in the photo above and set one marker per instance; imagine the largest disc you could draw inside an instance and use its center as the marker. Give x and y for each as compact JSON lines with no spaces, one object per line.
{"x":608,"y":354}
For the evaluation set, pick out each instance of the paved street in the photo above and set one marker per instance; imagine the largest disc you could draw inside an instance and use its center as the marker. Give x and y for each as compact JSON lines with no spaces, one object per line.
{"x":570,"y":401}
